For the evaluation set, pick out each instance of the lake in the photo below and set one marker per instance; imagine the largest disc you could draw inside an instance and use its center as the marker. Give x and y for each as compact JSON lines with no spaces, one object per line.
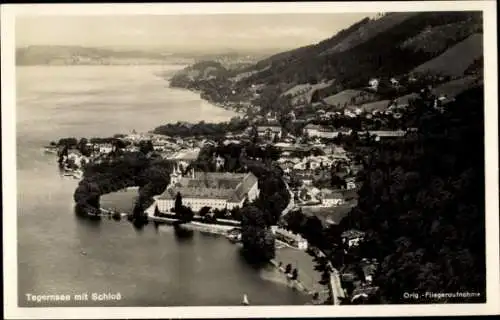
{"x":60,"y":253}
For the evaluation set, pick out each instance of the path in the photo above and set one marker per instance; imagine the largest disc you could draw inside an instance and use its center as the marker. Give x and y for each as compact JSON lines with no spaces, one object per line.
{"x":335,"y":283}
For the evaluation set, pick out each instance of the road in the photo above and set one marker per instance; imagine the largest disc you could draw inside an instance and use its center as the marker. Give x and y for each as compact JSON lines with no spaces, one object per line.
{"x":291,"y":204}
{"x":335,"y":283}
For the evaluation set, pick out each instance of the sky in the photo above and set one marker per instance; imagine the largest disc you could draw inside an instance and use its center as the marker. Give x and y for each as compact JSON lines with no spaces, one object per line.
{"x":189,"y":32}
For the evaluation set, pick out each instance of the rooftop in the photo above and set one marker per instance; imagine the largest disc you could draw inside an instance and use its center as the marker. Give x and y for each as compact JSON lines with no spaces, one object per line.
{"x":269,"y":127}
{"x":329,"y":194}
{"x":352,"y":233}
{"x":364,"y":291}
{"x":388,"y":133}
{"x":213,"y":185}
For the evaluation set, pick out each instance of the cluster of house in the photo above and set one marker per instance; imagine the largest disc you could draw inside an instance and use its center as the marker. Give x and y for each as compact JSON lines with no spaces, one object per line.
{"x":357,"y":279}
{"x":274,"y":131}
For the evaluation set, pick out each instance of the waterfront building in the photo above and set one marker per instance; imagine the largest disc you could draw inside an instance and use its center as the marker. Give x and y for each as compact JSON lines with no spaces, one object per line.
{"x":217,"y":190}
{"x":291,"y":238}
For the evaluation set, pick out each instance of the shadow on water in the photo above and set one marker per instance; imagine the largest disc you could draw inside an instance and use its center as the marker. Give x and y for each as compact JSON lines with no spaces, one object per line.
{"x":182,"y":234}
{"x":139,"y":224}
{"x":82,"y":216}
{"x":156,"y":225}
{"x":251,"y":260}
{"x":60,"y":169}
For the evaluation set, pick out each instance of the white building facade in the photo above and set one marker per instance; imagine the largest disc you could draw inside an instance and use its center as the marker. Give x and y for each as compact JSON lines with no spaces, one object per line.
{"x":197,"y":192}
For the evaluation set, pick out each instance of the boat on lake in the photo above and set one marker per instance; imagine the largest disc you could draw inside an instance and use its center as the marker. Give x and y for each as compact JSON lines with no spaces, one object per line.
{"x":51,"y":149}
{"x":245,"y":300}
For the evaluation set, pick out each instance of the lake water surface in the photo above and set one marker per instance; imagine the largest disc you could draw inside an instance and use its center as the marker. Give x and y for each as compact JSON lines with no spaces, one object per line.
{"x":59,"y":253}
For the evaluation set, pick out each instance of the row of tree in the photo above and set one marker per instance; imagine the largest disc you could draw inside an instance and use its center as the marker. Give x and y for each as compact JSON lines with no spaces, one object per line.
{"x":202,"y":128}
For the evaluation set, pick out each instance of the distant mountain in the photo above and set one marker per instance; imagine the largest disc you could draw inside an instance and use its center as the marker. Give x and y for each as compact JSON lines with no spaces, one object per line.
{"x":70,"y":55}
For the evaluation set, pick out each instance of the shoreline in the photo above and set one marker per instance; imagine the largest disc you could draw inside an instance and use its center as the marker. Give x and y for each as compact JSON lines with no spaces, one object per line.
{"x":199,"y":92}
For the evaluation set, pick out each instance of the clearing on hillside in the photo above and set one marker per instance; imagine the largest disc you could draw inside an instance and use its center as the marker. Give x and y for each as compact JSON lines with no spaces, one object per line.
{"x":377,"y":105}
{"x":453,"y":88}
{"x":457,"y":59}
{"x":350,"y":97}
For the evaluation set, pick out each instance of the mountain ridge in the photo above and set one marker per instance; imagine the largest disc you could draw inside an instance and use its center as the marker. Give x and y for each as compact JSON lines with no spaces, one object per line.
{"x":408,"y":45}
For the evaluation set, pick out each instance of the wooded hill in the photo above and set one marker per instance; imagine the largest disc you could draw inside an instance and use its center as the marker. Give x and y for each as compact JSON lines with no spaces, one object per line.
{"x":435,"y":47}
{"x":389,"y":46}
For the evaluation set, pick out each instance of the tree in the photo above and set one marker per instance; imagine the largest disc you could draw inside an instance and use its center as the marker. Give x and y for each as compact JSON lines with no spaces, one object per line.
{"x":157,"y":211}
{"x":203,"y":211}
{"x":313,"y":231}
{"x":146,"y":146}
{"x":178,"y":202}
{"x":119,"y":144}
{"x":422,"y":203}
{"x":82,"y":147}
{"x":276,"y":138}
{"x":184,"y":214}
{"x":257,"y":239}
{"x":325,"y":278}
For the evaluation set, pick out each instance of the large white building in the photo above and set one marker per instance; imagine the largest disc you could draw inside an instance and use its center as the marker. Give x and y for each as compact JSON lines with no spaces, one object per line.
{"x":269,"y":131}
{"x":217,"y":190}
{"x":323,"y":132}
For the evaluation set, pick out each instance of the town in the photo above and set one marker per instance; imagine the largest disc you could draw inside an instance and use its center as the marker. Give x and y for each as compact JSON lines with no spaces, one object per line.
{"x":320,"y":168}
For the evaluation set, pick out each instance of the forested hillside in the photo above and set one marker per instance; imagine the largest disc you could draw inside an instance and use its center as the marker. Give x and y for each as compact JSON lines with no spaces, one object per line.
{"x":422,"y":204}
{"x":360,"y":52}
{"x":402,"y":51}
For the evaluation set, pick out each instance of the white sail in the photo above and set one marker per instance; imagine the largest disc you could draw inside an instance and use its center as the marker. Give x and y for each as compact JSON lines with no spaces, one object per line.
{"x":245,"y":300}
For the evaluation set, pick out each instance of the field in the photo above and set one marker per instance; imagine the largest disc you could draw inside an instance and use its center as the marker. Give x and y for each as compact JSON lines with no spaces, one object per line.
{"x":330,"y":215}
{"x":350,"y":97}
{"x":455,"y":87}
{"x":404,"y":100}
{"x":122,"y":201}
{"x":301,"y":89}
{"x":377,"y":105}
{"x":457,"y":59}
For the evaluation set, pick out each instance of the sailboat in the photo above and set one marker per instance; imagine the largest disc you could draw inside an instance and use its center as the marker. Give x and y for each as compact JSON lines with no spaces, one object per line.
{"x":245,"y":300}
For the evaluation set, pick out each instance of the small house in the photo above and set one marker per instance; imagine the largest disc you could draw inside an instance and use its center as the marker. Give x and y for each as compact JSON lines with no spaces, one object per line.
{"x":269,"y":131}
{"x":352,"y":237}
{"x":373,"y":83}
{"x":291,"y":238}
{"x":331,"y":198}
